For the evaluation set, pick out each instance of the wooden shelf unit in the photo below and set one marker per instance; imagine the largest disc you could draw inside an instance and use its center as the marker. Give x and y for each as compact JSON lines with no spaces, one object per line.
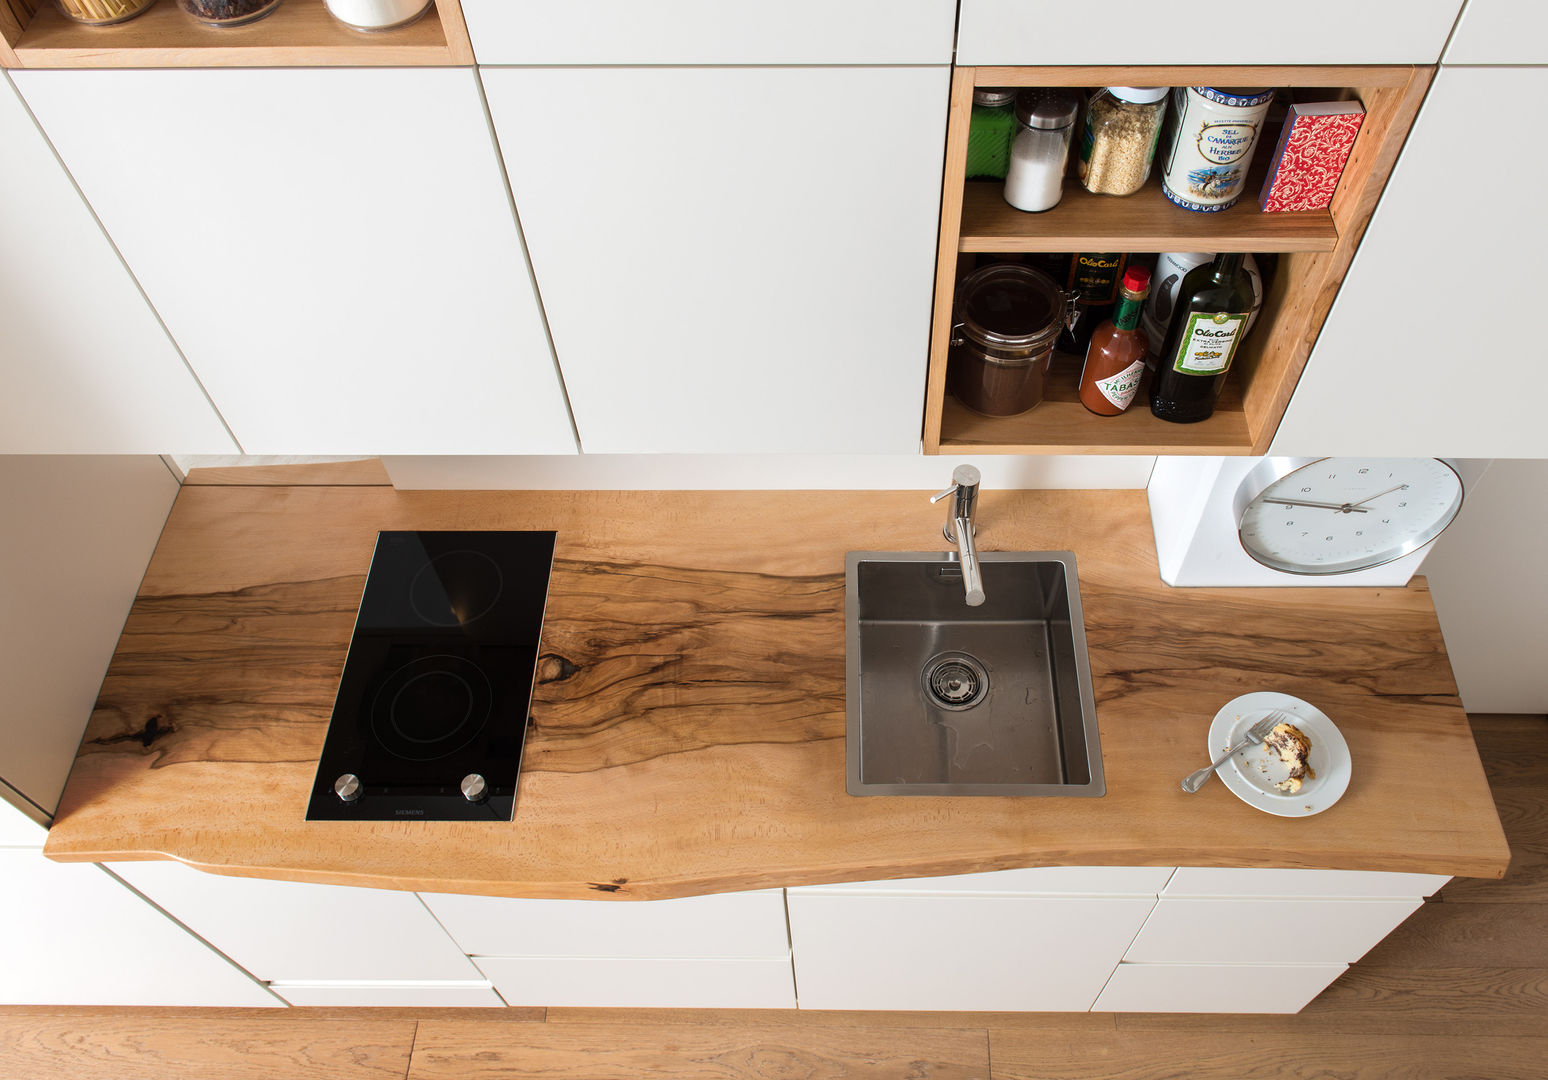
{"x":1315,"y":248}
{"x":299,"y":33}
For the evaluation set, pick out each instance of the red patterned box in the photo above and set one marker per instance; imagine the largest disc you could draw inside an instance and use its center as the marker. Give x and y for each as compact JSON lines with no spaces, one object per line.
{"x":1311,"y":154}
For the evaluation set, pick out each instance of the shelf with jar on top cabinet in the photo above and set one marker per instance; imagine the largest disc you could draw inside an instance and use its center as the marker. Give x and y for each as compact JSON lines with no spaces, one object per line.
{"x":1313,"y":247}
{"x":296,"y":33}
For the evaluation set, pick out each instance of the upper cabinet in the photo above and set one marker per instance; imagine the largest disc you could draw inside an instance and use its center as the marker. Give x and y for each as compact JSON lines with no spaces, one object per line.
{"x":712,"y":32}
{"x":1413,"y":358}
{"x":739,"y":259}
{"x":334,"y":250}
{"x":1500,"y":32}
{"x":85,"y":367}
{"x":1006,"y":32}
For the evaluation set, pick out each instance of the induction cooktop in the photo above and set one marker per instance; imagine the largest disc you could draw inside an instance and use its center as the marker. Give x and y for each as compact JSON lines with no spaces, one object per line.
{"x":432,"y":708}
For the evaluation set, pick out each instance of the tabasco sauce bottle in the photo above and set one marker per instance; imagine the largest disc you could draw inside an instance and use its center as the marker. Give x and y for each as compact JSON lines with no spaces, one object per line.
{"x":1115,"y":359}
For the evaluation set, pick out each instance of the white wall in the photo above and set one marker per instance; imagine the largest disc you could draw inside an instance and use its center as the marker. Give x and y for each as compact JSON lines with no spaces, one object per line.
{"x":1490,"y":584}
{"x":76,"y":535}
{"x":698,"y":472}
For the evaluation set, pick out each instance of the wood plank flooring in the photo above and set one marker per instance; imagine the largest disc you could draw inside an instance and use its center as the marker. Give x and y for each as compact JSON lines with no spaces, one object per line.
{"x":1458,"y":991}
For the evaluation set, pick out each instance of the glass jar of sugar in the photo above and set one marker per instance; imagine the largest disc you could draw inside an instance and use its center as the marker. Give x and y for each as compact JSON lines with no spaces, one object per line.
{"x":1045,"y":120}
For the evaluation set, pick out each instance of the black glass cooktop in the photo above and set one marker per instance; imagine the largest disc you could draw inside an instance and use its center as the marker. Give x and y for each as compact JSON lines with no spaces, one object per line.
{"x":432,"y":707}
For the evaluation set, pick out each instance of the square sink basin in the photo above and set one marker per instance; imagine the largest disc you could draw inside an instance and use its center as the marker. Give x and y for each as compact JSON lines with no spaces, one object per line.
{"x":946,"y":699}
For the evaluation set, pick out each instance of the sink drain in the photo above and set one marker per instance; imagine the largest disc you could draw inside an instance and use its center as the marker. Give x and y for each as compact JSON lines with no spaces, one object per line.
{"x":955,"y":681}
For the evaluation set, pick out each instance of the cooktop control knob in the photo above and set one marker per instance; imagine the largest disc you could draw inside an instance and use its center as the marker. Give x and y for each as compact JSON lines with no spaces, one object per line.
{"x":474,"y":787}
{"x":348,"y":788}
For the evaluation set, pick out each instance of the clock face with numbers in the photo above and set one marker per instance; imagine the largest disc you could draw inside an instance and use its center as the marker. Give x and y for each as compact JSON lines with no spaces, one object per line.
{"x":1342,"y":514}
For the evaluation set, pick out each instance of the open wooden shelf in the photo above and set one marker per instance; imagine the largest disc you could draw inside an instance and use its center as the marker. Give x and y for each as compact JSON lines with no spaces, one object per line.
{"x":300,"y":33}
{"x":1316,"y":248}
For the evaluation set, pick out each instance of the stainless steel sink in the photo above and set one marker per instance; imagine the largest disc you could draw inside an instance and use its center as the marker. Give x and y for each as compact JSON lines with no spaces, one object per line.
{"x":947,"y":699}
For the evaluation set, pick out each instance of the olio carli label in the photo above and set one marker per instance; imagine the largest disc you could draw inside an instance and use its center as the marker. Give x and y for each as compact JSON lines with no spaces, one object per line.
{"x":1209,"y":343}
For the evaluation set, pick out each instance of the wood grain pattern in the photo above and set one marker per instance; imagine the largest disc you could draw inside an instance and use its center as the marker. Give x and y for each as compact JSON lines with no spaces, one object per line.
{"x":953,"y":176}
{"x":368,"y":471}
{"x":298,"y":33}
{"x":455,"y":1051}
{"x":88,"y":1045}
{"x":690,"y":708}
{"x":1168,"y":1055}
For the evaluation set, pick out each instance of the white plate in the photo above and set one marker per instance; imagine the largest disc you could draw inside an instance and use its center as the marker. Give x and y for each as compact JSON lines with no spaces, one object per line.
{"x":1252,"y":773}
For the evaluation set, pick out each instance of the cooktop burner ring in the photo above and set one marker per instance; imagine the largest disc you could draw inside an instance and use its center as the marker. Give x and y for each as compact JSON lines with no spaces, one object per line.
{"x":456,"y":587}
{"x":431,"y":707}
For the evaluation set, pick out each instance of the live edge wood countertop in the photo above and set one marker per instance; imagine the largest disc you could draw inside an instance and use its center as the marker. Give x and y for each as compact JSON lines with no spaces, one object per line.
{"x":689,"y":733}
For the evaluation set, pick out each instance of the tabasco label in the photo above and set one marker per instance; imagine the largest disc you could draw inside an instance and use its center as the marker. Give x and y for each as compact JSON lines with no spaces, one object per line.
{"x":1209,"y":342}
{"x":1121,"y":388}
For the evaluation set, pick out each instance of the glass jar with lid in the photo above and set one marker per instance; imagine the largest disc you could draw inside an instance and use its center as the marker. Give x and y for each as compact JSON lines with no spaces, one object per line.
{"x":101,"y":12}
{"x":228,"y":12}
{"x":1045,"y":122}
{"x":1123,"y":124}
{"x":990,"y":130}
{"x":1006,"y":319}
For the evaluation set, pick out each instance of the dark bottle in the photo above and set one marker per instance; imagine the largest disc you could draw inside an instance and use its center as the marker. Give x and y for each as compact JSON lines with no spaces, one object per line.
{"x":1093,"y":279}
{"x":1208,"y":324}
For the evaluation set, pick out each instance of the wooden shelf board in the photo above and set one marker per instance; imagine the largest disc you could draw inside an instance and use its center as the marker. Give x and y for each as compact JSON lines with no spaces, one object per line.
{"x":1062,"y":425}
{"x":299,"y":32}
{"x":1145,"y":221}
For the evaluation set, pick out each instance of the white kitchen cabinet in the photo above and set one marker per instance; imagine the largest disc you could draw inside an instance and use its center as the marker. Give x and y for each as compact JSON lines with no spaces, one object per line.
{"x":741,"y":259}
{"x":711,"y":32}
{"x":1014,"y":32}
{"x":1421,"y":355}
{"x":719,"y":925}
{"x":635,"y":982}
{"x":945,"y":951}
{"x":72,"y":935}
{"x":288,"y":931}
{"x":1247,"y":931}
{"x":85,"y":367}
{"x":728,"y":950}
{"x":1219,"y":988}
{"x":333,"y":249}
{"x":1210,"y":881}
{"x":390,"y":995}
{"x":1500,"y":32}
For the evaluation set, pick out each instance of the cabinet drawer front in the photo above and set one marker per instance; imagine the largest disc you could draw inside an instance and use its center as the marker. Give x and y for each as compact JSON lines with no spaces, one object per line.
{"x":1500,"y":32}
{"x":390,"y":995}
{"x":1140,"y":32}
{"x":714,"y":32}
{"x":1262,"y":931}
{"x":628,"y":982}
{"x":292,"y":931}
{"x":1036,"y":881}
{"x":1206,"y":882}
{"x":1202,"y":988}
{"x":957,"y":952}
{"x":750,"y":924}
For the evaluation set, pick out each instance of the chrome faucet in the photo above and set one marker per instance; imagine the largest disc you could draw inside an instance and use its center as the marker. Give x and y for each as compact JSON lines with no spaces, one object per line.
{"x":959,"y":528}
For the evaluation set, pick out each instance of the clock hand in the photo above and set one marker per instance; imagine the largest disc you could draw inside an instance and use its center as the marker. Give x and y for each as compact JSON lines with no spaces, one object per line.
{"x":1379,"y":494}
{"x":1347,"y":508}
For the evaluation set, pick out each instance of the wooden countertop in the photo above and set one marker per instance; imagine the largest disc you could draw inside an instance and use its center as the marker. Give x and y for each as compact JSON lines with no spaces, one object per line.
{"x":689,"y":729}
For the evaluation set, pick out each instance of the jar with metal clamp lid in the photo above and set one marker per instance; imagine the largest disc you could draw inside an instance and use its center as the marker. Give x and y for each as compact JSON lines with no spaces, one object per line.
{"x":1007,"y":318}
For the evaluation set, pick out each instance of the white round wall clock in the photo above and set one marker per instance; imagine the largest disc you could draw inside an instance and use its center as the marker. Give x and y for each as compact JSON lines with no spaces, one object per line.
{"x":1338,"y":515}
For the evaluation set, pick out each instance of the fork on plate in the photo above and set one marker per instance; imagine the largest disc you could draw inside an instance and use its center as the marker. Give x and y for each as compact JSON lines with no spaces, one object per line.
{"x":1251,"y":737}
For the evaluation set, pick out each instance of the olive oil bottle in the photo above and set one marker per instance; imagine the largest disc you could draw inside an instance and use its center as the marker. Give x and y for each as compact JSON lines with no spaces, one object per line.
{"x":1208,"y":324}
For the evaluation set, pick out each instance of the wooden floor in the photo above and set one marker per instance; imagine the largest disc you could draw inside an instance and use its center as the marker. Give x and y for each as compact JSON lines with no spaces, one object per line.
{"x":1460,"y":990}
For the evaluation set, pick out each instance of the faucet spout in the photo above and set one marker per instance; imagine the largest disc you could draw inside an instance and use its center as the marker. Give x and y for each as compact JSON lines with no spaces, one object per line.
{"x":959,"y":528}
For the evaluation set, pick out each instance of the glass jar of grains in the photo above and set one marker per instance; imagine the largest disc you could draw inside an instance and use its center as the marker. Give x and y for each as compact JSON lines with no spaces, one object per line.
{"x":1119,"y":142}
{"x":101,"y":12}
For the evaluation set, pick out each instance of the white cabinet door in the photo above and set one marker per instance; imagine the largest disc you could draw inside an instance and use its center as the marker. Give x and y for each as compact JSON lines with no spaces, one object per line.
{"x":1144,"y":881}
{"x":1241,"y":931}
{"x":1427,"y":350}
{"x":85,"y":367}
{"x":738,"y":259}
{"x":638,"y":982}
{"x":711,"y":32}
{"x":1222,"y":988}
{"x":293,"y":931}
{"x":1206,"y":881}
{"x":743,"y":924}
{"x":1500,"y":32}
{"x":333,"y":249}
{"x":899,"y":951}
{"x":1142,"y":32}
{"x":72,"y":935}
